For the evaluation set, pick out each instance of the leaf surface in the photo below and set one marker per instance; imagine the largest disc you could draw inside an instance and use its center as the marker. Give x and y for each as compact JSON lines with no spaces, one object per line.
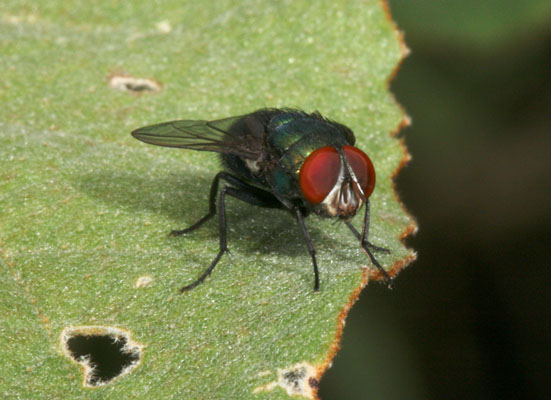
{"x":85,"y":210}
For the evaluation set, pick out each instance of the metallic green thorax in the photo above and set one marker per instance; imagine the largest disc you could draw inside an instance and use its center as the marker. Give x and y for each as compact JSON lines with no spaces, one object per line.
{"x":294,"y":136}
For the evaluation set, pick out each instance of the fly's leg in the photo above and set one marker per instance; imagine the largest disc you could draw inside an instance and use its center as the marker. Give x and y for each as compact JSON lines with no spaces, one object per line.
{"x":236,"y":182}
{"x":366,"y":245}
{"x":363,"y":236}
{"x":244,"y":192}
{"x":311,"y":249}
{"x":223,"y":233}
{"x":212,"y":207}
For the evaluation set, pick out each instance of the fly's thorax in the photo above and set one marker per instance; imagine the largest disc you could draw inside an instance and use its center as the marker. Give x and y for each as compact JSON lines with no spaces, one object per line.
{"x":286,"y":167}
{"x":291,"y":137}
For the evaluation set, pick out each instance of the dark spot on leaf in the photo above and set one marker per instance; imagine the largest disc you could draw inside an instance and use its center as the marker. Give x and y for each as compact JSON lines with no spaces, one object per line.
{"x":313,"y":382}
{"x":294,"y":378}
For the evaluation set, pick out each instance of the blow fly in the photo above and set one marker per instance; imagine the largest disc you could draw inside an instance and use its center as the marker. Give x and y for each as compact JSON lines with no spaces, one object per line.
{"x":283,"y":159}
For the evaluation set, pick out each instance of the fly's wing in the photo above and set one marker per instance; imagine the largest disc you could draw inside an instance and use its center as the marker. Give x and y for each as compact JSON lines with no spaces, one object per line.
{"x":241,"y":136}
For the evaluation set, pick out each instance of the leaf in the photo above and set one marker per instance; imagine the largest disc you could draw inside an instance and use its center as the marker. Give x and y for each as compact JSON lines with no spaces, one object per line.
{"x":472,"y":25}
{"x":85,"y":210}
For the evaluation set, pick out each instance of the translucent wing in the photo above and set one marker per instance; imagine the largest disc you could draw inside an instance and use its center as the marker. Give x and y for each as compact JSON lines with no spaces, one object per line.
{"x":241,"y":136}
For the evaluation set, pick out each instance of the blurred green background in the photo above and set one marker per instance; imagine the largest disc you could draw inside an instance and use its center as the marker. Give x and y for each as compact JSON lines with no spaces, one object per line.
{"x":468,"y":319}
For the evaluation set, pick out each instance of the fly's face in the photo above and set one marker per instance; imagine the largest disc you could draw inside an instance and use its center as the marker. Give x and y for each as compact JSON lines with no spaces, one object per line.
{"x":337,"y":181}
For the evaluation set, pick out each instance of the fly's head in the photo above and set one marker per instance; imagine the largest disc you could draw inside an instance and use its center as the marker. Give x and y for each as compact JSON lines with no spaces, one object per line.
{"x":337,"y":181}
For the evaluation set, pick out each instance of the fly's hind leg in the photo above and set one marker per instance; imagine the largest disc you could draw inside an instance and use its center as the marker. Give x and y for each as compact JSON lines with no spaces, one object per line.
{"x":223,"y":237}
{"x":212,"y":207}
{"x":244,"y":192}
{"x":234,"y":181}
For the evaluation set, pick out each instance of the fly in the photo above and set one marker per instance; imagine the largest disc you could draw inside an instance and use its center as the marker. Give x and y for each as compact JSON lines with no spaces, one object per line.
{"x":283,"y":159}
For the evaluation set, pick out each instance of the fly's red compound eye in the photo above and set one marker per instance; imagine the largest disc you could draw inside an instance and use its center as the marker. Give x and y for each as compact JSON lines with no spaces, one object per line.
{"x":319,"y":173}
{"x":362,"y":167}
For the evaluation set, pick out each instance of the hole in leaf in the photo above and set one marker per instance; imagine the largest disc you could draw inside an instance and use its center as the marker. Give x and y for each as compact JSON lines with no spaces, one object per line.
{"x":131,"y":84}
{"x":104,"y":353}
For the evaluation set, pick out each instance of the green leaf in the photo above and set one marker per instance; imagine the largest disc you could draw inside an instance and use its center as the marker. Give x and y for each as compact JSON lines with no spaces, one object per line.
{"x":472,"y":25}
{"x":85,"y":209}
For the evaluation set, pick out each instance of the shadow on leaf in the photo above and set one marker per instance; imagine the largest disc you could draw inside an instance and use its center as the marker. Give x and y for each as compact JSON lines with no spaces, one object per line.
{"x":184,"y":199}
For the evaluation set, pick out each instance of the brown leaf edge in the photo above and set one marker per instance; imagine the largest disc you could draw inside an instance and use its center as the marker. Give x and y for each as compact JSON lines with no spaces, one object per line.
{"x":369,"y":274}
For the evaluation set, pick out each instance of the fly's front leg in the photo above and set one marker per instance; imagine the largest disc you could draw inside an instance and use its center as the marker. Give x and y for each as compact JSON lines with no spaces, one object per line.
{"x":364,"y":241}
{"x":366,"y":245}
{"x":311,"y":249}
{"x":365,"y":232}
